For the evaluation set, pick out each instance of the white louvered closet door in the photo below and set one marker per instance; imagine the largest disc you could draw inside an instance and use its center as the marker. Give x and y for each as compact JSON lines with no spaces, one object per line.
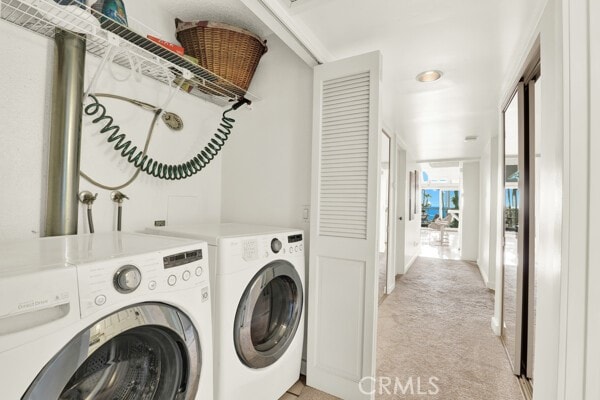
{"x":342,"y":290}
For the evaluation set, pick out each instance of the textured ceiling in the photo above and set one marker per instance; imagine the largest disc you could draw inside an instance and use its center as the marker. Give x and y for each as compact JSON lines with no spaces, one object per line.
{"x":231,"y":12}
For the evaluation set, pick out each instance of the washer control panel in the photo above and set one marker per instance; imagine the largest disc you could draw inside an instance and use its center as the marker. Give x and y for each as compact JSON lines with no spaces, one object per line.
{"x":295,"y":243}
{"x":270,"y":245}
{"x":117,"y":280}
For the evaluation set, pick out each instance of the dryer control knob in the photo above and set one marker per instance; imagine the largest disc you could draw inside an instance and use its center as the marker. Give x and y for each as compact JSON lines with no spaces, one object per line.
{"x":127,"y":279}
{"x":276,"y":245}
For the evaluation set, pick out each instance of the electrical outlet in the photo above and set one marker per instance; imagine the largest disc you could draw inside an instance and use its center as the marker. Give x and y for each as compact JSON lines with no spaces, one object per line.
{"x":306,"y":213}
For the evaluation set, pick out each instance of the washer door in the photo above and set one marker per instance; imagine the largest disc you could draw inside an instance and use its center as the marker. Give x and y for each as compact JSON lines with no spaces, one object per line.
{"x":144,"y":352}
{"x":268,"y":315}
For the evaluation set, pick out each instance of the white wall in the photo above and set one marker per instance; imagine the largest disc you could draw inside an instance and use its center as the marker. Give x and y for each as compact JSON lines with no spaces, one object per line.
{"x":550,"y":371}
{"x":469,"y":215}
{"x":495,"y":178}
{"x":400,"y":178}
{"x":413,"y":228}
{"x":196,"y":199}
{"x":593,"y":344}
{"x":25,"y":84}
{"x":27,"y":76}
{"x":266,"y":168}
{"x":578,"y":213}
{"x":483,"y":259}
{"x":550,"y":265}
{"x":487,"y":220}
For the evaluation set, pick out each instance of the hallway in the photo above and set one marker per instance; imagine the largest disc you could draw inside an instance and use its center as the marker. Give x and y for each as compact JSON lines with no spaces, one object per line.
{"x":435,"y":328}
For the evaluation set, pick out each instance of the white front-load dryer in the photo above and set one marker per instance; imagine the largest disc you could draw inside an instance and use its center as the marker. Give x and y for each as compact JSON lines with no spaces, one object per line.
{"x":259,"y":306}
{"x":105,"y":317}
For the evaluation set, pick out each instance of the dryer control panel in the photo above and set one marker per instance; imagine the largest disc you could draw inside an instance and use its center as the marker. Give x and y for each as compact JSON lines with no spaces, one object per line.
{"x":240,"y":253}
{"x":123,"y":280}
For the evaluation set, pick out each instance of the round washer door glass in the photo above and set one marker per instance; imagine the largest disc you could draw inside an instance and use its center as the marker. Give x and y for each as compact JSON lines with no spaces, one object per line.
{"x":144,"y":352}
{"x":143,"y":363}
{"x":268,"y":315}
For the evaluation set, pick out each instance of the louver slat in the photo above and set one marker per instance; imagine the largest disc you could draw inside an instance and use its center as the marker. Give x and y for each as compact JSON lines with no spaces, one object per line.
{"x":344,"y":157}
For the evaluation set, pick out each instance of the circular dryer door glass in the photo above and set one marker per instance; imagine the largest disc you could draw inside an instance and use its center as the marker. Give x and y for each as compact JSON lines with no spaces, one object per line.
{"x":148,"y":351}
{"x":268,"y":315}
{"x":141,"y":364}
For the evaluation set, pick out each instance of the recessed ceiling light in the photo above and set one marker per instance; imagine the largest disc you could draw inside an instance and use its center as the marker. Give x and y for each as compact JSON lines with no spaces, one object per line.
{"x":429,"y":76}
{"x":471,"y":138}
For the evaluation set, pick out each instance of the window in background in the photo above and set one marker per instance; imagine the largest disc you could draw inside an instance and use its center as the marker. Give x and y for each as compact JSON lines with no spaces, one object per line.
{"x":430,"y":205}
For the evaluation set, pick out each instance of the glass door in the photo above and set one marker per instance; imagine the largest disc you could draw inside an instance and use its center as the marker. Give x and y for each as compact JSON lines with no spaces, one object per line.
{"x":512,"y":282}
{"x":148,"y":351}
{"x":268,"y":315}
{"x":521,"y":152}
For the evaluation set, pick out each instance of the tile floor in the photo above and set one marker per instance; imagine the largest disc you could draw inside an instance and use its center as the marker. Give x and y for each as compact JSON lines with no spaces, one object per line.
{"x":430,"y":246}
{"x":302,"y":392}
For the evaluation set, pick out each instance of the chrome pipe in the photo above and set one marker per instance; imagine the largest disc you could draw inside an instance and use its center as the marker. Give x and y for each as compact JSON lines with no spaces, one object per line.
{"x":65,"y":134}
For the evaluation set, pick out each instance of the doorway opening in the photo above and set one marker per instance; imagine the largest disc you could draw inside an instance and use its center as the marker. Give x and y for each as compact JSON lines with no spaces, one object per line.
{"x":384,"y":203}
{"x":441,"y":199}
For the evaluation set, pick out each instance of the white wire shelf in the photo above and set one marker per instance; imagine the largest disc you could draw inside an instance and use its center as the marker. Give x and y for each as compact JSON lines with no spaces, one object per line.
{"x":128,"y":48}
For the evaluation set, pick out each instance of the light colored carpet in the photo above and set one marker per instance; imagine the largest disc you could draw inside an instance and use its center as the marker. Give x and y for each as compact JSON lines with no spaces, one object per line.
{"x":436,"y":326}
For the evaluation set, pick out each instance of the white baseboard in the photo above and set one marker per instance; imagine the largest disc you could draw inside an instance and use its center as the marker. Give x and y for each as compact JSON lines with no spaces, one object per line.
{"x":411,"y":262}
{"x":496,"y":327}
{"x":484,"y":275}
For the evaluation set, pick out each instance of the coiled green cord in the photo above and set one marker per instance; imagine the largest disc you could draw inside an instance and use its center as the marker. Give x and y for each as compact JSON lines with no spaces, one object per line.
{"x":153,"y":167}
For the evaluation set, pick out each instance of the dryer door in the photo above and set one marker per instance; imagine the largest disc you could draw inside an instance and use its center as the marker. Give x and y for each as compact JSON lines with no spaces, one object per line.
{"x":143,"y":352}
{"x":268,"y":315}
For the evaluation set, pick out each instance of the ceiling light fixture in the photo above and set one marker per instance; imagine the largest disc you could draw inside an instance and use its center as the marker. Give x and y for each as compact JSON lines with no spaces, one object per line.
{"x":429,"y":76}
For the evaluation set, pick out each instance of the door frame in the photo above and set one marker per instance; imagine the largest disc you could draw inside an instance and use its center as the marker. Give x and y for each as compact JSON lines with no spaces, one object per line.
{"x":392,"y":250}
{"x":400,"y":196}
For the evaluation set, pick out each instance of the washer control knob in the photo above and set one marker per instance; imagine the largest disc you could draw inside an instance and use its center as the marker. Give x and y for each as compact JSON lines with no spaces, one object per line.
{"x":127,"y":279}
{"x":172,"y":280}
{"x":276,"y":245}
{"x":199,"y":271}
{"x":186,"y":275}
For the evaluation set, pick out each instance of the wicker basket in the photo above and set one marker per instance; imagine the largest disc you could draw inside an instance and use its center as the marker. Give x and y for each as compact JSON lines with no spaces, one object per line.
{"x":231,"y":53}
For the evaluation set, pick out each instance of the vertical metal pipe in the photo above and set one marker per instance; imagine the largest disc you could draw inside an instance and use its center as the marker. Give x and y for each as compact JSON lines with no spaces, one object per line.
{"x":65,"y":134}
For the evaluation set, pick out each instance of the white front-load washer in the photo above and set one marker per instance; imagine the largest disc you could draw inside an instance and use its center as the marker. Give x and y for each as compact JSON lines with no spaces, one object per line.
{"x":259,"y":306}
{"x":105,"y":317}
